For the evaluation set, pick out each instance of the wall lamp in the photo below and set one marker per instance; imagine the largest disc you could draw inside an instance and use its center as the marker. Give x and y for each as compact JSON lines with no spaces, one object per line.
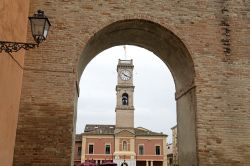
{"x":39,"y":26}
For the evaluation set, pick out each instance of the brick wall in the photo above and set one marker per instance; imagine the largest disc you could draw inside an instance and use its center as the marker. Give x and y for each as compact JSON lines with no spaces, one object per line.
{"x":210,"y":37}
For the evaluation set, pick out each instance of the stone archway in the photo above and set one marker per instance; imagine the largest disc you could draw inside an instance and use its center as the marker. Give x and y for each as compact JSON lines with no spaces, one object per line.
{"x":46,"y":122}
{"x":173,"y":53}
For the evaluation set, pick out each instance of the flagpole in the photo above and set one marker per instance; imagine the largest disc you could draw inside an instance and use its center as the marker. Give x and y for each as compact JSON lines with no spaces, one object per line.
{"x":125,"y":52}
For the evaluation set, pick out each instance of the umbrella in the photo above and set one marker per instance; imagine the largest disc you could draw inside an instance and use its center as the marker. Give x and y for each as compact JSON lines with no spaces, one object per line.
{"x":87,"y":163}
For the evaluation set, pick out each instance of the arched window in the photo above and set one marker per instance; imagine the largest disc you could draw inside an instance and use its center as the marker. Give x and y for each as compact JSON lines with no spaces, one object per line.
{"x":124,"y":146}
{"x":124,"y":99}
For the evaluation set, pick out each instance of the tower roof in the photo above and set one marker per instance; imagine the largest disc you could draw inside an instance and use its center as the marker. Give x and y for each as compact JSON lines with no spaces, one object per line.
{"x":125,"y":63}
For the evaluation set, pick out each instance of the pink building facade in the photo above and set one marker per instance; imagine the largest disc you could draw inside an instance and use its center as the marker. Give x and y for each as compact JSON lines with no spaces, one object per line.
{"x":141,"y":148}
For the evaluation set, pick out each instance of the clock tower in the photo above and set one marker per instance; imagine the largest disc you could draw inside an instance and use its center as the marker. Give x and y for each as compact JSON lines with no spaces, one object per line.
{"x":125,"y":95}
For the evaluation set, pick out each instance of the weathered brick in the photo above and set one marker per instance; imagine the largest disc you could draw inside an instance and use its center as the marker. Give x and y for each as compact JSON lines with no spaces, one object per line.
{"x":212,"y":86}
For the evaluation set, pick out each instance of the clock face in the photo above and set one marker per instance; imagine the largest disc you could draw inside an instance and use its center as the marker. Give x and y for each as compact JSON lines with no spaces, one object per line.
{"x":125,"y":75}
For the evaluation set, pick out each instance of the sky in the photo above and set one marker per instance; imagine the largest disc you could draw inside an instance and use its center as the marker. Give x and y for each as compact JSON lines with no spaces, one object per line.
{"x":154,"y":101}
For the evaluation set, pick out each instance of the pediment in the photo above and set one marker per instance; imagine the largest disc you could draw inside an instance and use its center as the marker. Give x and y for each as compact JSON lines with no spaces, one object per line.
{"x":124,"y":133}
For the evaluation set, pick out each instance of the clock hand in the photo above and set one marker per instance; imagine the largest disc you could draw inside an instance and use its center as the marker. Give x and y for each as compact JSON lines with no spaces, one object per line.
{"x":125,"y":75}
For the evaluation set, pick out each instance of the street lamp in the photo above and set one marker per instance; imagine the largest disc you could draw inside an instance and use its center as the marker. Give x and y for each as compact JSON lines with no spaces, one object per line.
{"x":39,"y":27}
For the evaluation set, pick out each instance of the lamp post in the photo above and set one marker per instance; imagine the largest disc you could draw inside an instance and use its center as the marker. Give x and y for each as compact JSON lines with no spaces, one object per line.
{"x":39,"y":27}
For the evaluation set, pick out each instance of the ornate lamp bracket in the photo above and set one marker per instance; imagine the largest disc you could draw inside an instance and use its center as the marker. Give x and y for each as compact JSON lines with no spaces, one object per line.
{"x":15,"y":46}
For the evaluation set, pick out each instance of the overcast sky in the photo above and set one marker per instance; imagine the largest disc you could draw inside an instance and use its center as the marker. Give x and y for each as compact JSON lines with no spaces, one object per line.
{"x":155,"y":106}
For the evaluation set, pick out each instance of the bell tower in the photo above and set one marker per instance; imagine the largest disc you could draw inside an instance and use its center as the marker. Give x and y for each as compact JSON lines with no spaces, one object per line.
{"x":125,"y":95}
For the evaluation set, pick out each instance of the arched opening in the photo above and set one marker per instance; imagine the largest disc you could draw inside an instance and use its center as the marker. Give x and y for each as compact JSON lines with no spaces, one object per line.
{"x":173,"y":53}
{"x":152,"y":100}
{"x":125,"y":99}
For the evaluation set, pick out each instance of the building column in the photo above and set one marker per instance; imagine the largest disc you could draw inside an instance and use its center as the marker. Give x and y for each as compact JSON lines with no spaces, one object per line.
{"x":83,"y":149}
{"x":152,"y":163}
{"x":132,"y":144}
{"x":146,"y":162}
{"x":165,"y":158}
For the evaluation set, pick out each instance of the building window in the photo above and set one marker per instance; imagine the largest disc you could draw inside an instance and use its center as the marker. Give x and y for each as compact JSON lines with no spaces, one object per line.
{"x":107,"y":149}
{"x":124,"y":99}
{"x":91,"y":149}
{"x":124,"y":146}
{"x":141,"y":150}
{"x":79,"y":150}
{"x":157,"y":150}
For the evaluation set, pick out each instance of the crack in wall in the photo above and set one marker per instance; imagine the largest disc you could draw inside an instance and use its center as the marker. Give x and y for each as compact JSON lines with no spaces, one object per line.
{"x":225,"y":26}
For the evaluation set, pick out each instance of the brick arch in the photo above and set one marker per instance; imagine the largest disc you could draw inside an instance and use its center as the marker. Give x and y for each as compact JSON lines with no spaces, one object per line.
{"x":146,"y":34}
{"x":167,"y":24}
{"x":173,"y":52}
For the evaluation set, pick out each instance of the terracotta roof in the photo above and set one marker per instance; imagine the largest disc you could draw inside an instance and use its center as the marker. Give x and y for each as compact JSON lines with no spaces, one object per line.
{"x":78,"y":137}
{"x":139,"y":131}
{"x":174,"y":127}
{"x":96,"y":129}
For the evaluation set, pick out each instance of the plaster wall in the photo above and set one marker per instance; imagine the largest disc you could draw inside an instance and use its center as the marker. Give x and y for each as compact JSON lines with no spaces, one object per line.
{"x":99,"y":145}
{"x":13,"y":27}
